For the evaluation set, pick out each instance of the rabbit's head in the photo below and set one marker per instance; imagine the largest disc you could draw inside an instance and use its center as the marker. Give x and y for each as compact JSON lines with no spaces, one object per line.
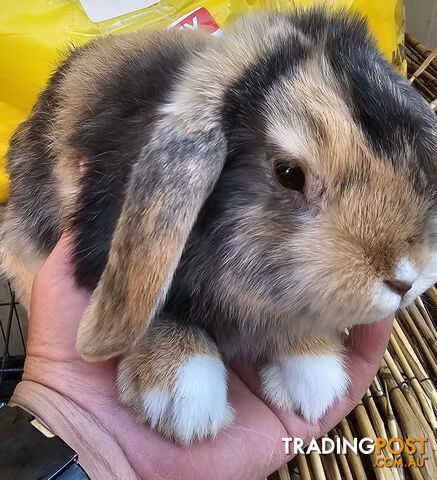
{"x":326,"y":205}
{"x":290,"y":174}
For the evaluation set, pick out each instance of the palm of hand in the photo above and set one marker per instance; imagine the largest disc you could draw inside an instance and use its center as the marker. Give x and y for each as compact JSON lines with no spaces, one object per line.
{"x":251,"y":448}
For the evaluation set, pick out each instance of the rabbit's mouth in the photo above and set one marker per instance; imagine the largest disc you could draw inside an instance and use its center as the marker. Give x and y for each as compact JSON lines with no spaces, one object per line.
{"x":425,"y":280}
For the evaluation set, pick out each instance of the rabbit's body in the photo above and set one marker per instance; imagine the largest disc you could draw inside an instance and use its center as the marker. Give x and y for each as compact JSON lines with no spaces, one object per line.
{"x":250,"y":195}
{"x":127,"y":78}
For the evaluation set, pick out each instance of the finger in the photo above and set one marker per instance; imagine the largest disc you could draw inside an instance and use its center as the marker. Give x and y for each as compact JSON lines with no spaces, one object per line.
{"x":368,"y":342}
{"x":366,"y":347}
{"x":56,"y":273}
{"x":57,"y":304}
{"x":59,"y":262}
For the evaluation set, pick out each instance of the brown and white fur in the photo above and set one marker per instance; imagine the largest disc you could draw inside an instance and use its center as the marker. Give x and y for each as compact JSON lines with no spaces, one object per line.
{"x":244,"y":196}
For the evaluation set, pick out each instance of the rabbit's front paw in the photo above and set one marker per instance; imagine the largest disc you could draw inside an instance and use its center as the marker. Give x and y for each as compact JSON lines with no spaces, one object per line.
{"x":308,"y":384}
{"x":189,"y":404}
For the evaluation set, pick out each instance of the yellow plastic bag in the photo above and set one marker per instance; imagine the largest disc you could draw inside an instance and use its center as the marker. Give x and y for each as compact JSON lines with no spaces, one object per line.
{"x":33,"y":33}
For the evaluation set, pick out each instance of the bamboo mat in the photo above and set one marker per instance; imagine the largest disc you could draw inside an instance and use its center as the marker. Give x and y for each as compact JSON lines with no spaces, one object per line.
{"x":402,"y":400}
{"x":422,"y":68}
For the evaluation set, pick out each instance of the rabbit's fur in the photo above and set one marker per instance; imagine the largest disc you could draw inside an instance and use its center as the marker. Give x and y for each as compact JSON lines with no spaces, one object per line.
{"x":159,"y":151}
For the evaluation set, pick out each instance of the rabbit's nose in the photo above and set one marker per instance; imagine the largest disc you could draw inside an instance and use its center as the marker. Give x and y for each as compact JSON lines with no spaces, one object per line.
{"x":398,"y":286}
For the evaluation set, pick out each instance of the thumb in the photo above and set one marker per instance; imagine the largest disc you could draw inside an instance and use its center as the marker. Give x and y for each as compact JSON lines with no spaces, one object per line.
{"x":57,"y":303}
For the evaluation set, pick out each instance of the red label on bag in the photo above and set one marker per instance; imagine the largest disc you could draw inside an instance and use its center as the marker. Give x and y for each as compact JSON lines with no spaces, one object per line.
{"x":199,"y":18}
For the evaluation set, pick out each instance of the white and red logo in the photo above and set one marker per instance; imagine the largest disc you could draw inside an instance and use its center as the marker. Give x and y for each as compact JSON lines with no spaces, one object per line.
{"x":199,"y":18}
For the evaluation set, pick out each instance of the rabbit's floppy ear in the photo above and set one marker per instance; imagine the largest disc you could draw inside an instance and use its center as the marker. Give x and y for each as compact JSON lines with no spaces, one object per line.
{"x":170,"y":181}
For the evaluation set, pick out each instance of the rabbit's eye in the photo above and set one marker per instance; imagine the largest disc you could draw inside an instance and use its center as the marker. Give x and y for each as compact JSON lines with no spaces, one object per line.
{"x":290,"y":176}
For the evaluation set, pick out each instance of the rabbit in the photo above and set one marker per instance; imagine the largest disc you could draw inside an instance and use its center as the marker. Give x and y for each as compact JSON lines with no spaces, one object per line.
{"x":247,"y":196}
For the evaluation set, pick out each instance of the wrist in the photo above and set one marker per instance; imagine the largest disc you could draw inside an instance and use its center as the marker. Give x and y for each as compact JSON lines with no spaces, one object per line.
{"x":98,"y":451}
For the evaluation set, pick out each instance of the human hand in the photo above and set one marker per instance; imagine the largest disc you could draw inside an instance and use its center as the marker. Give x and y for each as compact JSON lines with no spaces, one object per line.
{"x":77,"y":400}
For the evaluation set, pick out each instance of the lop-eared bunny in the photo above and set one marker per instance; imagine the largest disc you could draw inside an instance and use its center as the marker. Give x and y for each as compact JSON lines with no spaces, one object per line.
{"x":245,"y":196}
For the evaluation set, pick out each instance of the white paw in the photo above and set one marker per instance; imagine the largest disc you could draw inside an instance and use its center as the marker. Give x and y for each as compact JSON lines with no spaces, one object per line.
{"x":308,"y":384}
{"x":196,"y":407}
